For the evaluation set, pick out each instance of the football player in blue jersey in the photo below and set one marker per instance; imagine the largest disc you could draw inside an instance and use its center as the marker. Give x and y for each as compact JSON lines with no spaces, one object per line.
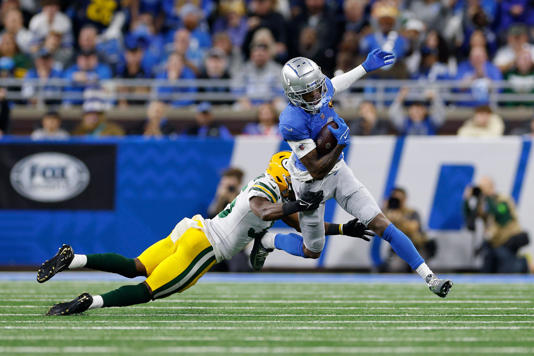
{"x":310,"y":94}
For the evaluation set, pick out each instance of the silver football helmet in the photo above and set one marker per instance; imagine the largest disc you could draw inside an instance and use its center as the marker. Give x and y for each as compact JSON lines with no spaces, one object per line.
{"x":304,"y":83}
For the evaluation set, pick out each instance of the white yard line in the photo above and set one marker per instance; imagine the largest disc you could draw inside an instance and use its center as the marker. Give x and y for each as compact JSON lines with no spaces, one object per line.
{"x":250,"y":327}
{"x":201,"y":315}
{"x":269,"y":350}
{"x":374,"y":322}
{"x":322,"y":301}
{"x":264,"y":307}
{"x":330,"y":338}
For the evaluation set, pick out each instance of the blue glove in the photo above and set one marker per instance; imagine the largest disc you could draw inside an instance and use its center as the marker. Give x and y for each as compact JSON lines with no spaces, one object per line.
{"x":342,"y":133}
{"x":378,"y":59}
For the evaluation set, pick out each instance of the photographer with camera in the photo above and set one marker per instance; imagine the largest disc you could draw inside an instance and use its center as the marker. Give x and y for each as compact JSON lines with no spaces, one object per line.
{"x":504,"y":236}
{"x":227,"y":190}
{"x":408,"y":221}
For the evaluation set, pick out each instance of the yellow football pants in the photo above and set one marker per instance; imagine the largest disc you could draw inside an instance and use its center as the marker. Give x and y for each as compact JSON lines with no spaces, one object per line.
{"x":172,"y":267}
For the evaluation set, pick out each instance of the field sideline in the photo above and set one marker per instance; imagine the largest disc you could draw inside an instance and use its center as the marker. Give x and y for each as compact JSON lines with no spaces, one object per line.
{"x":288,"y":314}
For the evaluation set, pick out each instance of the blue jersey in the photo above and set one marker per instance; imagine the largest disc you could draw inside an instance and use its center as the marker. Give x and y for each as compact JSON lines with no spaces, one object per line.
{"x":296,"y":124}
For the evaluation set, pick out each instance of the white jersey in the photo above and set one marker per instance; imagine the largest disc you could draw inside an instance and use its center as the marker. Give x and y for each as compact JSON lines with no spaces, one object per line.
{"x":234,"y":227}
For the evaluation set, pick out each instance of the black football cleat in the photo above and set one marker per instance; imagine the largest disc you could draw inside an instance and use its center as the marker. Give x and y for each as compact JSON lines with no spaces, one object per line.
{"x":438,"y":286}
{"x":258,"y":255}
{"x":58,"y":263}
{"x":76,"y":306}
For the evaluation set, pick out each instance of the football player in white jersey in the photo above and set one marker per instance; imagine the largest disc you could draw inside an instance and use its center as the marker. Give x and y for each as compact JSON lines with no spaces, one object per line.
{"x":310,"y":94}
{"x":176,"y":263}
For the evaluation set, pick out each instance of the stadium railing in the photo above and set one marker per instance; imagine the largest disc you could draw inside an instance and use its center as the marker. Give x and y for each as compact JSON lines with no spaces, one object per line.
{"x":382,"y":92}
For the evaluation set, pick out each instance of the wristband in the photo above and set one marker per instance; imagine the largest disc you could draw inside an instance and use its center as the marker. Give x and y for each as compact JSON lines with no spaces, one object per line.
{"x":334,"y":229}
{"x":290,"y":207}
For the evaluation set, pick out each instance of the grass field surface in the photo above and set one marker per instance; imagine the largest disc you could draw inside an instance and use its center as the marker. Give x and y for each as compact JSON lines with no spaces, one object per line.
{"x":246,"y":318}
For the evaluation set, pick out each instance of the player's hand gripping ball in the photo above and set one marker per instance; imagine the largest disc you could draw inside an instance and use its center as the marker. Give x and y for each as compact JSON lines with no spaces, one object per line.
{"x":326,"y":141}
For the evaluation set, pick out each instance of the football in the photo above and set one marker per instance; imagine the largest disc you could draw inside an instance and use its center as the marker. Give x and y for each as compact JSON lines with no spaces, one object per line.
{"x":325,"y":140}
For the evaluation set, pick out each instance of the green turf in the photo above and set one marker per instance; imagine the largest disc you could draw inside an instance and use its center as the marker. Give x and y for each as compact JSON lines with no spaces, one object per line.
{"x":258,"y":319}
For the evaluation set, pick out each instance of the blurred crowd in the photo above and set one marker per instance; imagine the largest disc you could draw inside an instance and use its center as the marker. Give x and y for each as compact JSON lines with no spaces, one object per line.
{"x":245,"y":42}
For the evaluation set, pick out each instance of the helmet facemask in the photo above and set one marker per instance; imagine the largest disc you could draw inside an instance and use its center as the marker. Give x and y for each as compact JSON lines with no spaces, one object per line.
{"x":310,"y":98}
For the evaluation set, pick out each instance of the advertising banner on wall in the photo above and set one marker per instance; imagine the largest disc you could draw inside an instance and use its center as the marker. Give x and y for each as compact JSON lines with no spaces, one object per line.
{"x":57,"y":176}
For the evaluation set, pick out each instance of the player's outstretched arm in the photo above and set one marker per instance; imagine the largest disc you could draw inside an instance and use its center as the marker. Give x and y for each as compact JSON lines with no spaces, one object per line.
{"x":268,"y":211}
{"x":353,"y":228}
{"x":375,"y":59}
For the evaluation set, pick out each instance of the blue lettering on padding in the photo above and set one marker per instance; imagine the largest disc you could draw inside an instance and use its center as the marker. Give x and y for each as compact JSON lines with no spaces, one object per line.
{"x":446,"y":213}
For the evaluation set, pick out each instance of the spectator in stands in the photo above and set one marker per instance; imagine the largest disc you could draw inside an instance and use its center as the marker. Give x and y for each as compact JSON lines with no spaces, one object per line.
{"x":107,"y":16}
{"x":51,"y":128}
{"x":222,"y":41}
{"x":232,"y":20}
{"x":216,"y":68}
{"x":413,"y":30}
{"x":476,"y":20}
{"x":62,"y":55}
{"x":513,"y":12}
{"x":419,"y":121}
{"x":434,"y":58}
{"x":205,"y":126}
{"x":44,"y":70}
{"x":176,"y":70}
{"x":476,"y":75}
{"x":430,"y":12}
{"x":51,"y":19}
{"x":385,"y":37}
{"x":192,"y":19}
{"x":13,"y":24}
{"x":156,"y":123}
{"x":502,"y":229}
{"x":5,"y":112}
{"x":133,"y":70}
{"x":94,"y":122}
{"x":355,"y":18}
{"x":408,"y":220}
{"x":85,"y":73}
{"x":227,"y":190}
{"x":321,"y":18}
{"x":517,"y":42}
{"x":263,"y":15}
{"x":521,"y":76}
{"x":152,"y":43}
{"x":181,"y":45}
{"x":267,"y":122}
{"x":10,"y":50}
{"x":88,"y":42}
{"x":367,"y":123}
{"x":259,"y":80}
{"x":485,"y":123}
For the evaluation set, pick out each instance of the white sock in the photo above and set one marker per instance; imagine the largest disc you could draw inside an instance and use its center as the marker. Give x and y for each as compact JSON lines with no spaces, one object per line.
{"x":98,"y":302}
{"x":79,"y":261}
{"x":423,"y":271}
{"x":268,"y":241}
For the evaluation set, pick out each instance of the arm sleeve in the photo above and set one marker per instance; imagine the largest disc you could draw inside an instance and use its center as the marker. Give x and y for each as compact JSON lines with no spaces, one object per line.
{"x":396,"y":114}
{"x":114,"y":28}
{"x":302,"y":147}
{"x":344,"y":81}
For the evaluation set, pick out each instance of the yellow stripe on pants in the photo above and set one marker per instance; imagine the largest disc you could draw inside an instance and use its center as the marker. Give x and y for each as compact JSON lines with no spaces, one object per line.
{"x":191,"y":257}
